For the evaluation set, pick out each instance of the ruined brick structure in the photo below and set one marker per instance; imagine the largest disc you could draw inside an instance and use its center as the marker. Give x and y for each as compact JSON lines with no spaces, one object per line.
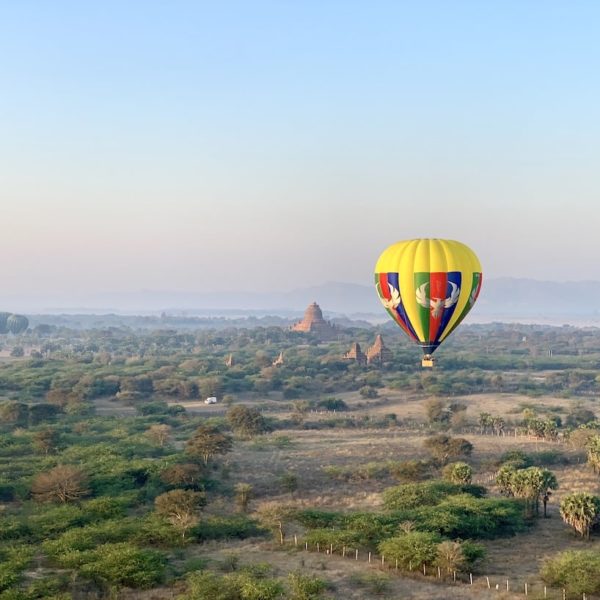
{"x":356,"y":354}
{"x":378,"y":353}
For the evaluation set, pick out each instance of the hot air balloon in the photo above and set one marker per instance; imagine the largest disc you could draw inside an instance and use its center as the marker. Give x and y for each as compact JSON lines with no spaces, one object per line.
{"x":17,"y":324}
{"x":3,"y":318}
{"x":428,"y":286}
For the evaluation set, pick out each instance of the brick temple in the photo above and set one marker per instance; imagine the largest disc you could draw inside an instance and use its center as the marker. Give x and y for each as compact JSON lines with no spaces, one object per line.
{"x":313,"y":322}
{"x":379,"y":353}
{"x":355,"y":353}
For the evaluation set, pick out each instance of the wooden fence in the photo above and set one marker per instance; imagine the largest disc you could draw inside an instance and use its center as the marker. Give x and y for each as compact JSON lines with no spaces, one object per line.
{"x":493,"y":583}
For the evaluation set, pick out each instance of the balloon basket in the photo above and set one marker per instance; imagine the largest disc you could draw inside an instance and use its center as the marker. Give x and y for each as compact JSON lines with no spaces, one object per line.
{"x":428,"y":362}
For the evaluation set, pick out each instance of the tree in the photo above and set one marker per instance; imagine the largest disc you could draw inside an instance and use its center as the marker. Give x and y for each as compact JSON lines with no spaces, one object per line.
{"x":274,"y":516}
{"x":529,"y":484}
{"x":458,"y":472}
{"x":246,"y":421}
{"x":485,"y":422}
{"x":443,"y":447}
{"x":208,"y":442}
{"x":46,"y":441}
{"x":211,"y":386}
{"x":581,"y":511}
{"x":63,"y":483}
{"x":289,"y":482}
{"x":180,"y":508}
{"x":436,"y":411}
{"x":301,"y":408}
{"x":593,"y":452}
{"x":42,"y":413}
{"x":579,"y":416}
{"x":182,"y":474}
{"x":14,"y":412}
{"x":243,"y":495}
{"x":159,"y":434}
{"x":450,"y":556}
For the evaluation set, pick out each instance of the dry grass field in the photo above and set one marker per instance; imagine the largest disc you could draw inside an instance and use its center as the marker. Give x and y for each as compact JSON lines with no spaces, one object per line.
{"x":305,"y":453}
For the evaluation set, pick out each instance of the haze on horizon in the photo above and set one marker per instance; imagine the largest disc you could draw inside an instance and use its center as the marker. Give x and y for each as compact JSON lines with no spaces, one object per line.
{"x":270,"y":145}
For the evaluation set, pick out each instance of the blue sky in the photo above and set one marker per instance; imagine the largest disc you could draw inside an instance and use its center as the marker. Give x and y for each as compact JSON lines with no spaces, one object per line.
{"x":190,"y":145}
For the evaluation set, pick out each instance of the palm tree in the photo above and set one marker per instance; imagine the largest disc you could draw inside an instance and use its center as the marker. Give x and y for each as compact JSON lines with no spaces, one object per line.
{"x":580,"y":510}
{"x":593,"y":456}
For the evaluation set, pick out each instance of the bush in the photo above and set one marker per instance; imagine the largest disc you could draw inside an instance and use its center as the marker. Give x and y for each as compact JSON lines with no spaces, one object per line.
{"x":246,"y":585}
{"x":123,"y":565}
{"x":412,"y":549}
{"x":578,"y":571}
{"x":517,"y":459}
{"x":444,"y":447}
{"x":306,"y":587}
{"x":410,"y":471}
{"x":368,"y":391}
{"x":225,"y":528}
{"x":332,"y":404}
{"x":458,"y":472}
{"x":464,"y":516}
{"x":415,"y":495}
{"x":326,"y":538}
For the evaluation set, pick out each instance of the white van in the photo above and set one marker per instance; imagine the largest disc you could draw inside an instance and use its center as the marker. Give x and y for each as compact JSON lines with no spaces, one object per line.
{"x":211,"y":400}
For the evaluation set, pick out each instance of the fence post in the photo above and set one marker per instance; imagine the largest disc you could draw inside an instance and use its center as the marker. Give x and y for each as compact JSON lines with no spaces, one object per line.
{"x":344,"y":551}
{"x":306,"y":546}
{"x":488,"y":582}
{"x":410,"y":565}
{"x":526,"y":588}
{"x":396,"y":564}
{"x":356,"y":555}
{"x":424,"y":570}
{"x":507,"y":585}
{"x":439,"y":573}
{"x":318,"y":549}
{"x":369,"y":557}
{"x":545,"y":592}
{"x":454,"y":576}
{"x":295,"y":540}
{"x":382,"y":560}
{"x":331,"y":549}
{"x":471,"y":578}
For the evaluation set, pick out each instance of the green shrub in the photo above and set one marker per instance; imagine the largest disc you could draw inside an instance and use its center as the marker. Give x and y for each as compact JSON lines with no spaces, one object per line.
{"x":326,"y":538}
{"x":464,"y":516}
{"x":412,"y":549}
{"x":13,"y":561}
{"x":305,"y":587}
{"x":122,"y":565}
{"x":578,"y":571}
{"x":516,"y":459}
{"x":230,"y":527}
{"x":409,"y":471}
{"x":413,"y":495}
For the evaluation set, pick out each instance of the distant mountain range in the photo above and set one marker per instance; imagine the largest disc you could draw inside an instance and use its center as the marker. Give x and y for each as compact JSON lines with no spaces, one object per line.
{"x":501,"y":299}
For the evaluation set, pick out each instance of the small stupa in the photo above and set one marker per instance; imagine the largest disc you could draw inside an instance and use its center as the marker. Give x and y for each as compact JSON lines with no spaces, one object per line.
{"x":229,"y":362}
{"x":279,"y":360}
{"x":313,"y":322}
{"x":379,"y":353}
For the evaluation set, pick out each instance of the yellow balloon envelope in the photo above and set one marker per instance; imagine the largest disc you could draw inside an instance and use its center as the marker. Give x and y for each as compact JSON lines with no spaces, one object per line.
{"x":428,"y":286}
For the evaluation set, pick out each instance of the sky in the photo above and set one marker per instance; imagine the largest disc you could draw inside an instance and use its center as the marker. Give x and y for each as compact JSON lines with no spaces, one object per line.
{"x":231,"y":146}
